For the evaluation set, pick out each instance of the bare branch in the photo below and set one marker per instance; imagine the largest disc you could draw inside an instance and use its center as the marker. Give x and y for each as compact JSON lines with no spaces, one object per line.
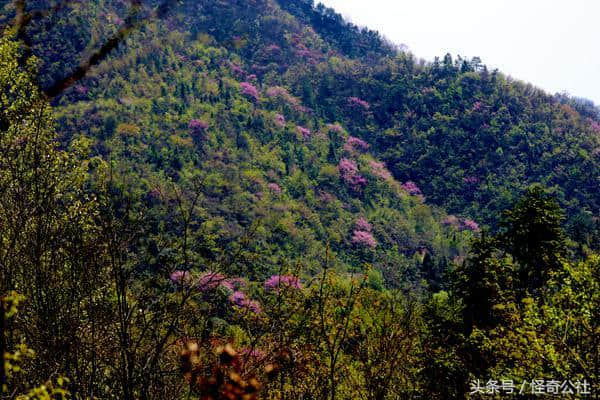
{"x":132,"y":22}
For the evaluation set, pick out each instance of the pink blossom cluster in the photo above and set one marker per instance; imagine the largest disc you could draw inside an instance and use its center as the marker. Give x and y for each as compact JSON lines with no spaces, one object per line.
{"x":274,"y":188}
{"x":305,"y":132}
{"x":280,"y":120}
{"x":364,"y":238}
{"x":276,"y":282}
{"x":302,"y":109}
{"x":595,"y":125}
{"x":470,"y":225}
{"x":208,"y":281}
{"x":471,"y":179}
{"x":362,"y":224}
{"x":236,"y":69}
{"x":181,"y":277}
{"x":353,"y":144}
{"x":347,"y":167}
{"x":240,"y":300}
{"x":356,"y":102}
{"x":335,"y":128}
{"x":281,"y":93}
{"x":464,"y":224}
{"x":197,"y":126}
{"x":379,"y":170}
{"x":349,"y":172}
{"x":304,"y":52}
{"x":249,"y":90}
{"x":411,"y":188}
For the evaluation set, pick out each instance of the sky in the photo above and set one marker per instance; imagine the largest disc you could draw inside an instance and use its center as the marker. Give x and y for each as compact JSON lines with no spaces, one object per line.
{"x":553,"y":44}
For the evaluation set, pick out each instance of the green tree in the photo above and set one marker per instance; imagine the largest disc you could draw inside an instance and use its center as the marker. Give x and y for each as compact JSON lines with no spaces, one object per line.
{"x":533,"y":235}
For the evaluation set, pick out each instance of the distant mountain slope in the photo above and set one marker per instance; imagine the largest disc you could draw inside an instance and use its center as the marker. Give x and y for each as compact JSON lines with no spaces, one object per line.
{"x":178,"y":114}
{"x":470,"y":138}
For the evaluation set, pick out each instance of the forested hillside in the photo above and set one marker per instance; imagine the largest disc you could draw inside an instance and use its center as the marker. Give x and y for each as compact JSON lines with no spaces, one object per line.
{"x":255,"y":198}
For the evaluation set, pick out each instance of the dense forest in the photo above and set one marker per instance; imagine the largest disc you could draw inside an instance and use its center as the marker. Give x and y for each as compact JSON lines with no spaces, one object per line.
{"x":229,"y":199}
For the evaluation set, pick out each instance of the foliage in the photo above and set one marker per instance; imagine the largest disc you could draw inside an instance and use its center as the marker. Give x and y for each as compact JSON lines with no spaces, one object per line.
{"x":263,"y":176}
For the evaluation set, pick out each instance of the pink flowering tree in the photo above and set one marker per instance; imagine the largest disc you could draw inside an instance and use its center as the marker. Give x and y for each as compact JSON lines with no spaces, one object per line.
{"x":182,"y":278}
{"x":280,"y":120}
{"x":355,"y":144}
{"x":282,"y":94}
{"x":197,"y":127}
{"x":236,"y":69}
{"x":208,"y":281}
{"x":250,"y":91}
{"x":350,"y":175}
{"x":335,"y":128}
{"x":277,"y":282}
{"x":362,"y":224}
{"x":364,"y":239}
{"x":469,"y":225}
{"x":358,"y":104}
{"x":240,"y":300}
{"x":412,"y":188}
{"x":305,"y":132}
{"x":274,"y":188}
{"x":595,"y":125}
{"x":379,"y":170}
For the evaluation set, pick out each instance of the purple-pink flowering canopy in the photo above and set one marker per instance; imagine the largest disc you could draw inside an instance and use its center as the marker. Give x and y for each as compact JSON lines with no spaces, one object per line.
{"x":197,"y":126}
{"x":274,"y":188}
{"x":353,"y":144}
{"x":276,"y":282}
{"x":180,"y":277}
{"x":249,"y":90}
{"x":281,"y":93}
{"x":305,"y":132}
{"x":363,"y":238}
{"x":240,"y":300}
{"x":280,"y":120}
{"x":470,"y":225}
{"x":362,"y":224}
{"x":379,"y":170}
{"x":210,"y":281}
{"x":349,"y":172}
{"x":347,"y":166}
{"x":411,"y":188}
{"x":356,"y":102}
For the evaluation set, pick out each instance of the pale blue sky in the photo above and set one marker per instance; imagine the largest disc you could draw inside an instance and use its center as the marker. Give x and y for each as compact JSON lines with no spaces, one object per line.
{"x":554,"y":44}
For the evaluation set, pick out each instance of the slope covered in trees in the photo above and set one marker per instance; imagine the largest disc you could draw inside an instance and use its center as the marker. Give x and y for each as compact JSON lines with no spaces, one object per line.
{"x":471,"y":139}
{"x":257,"y":199}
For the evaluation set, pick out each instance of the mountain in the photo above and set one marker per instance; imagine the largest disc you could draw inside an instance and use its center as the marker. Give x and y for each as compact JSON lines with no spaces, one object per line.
{"x":261,"y":174}
{"x":205,"y":95}
{"x":471,"y":139}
